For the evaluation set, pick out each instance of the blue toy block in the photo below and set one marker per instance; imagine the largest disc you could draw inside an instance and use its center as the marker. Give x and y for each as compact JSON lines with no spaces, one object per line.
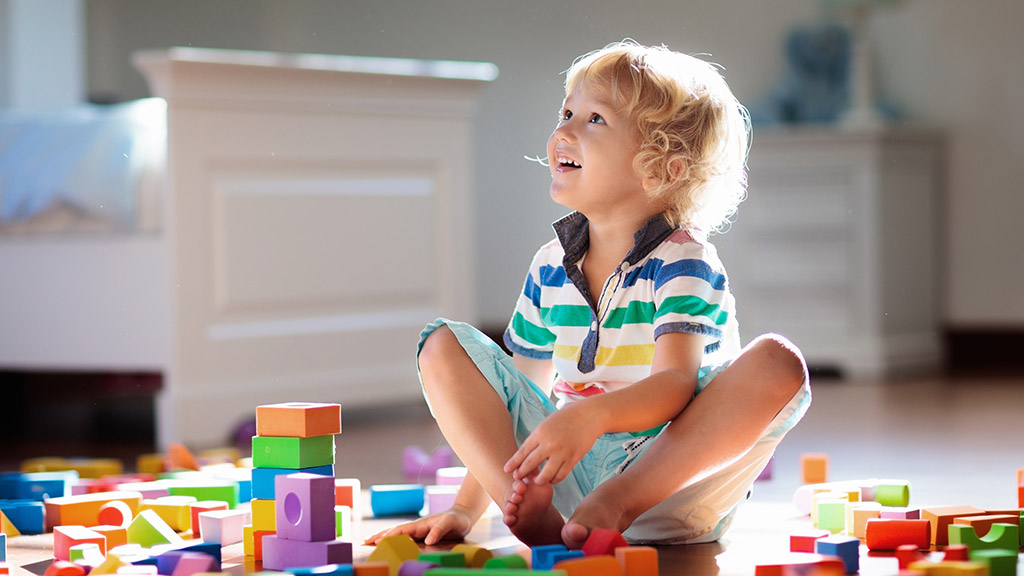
{"x":211,"y":548}
{"x":9,"y":483}
{"x":3,"y":547}
{"x":999,"y":537}
{"x":846,"y":548}
{"x":263,"y":478}
{"x":397,"y":499}
{"x":328,"y":570}
{"x":244,"y":490}
{"x":558,"y":556}
{"x":542,"y":556}
{"x":26,"y":515}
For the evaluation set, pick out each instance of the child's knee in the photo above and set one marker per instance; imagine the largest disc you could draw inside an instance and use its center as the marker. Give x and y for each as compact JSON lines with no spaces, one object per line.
{"x":437,"y":346}
{"x":782,"y":358}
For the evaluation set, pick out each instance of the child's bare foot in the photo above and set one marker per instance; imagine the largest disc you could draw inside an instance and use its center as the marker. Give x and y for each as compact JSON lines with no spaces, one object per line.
{"x":590,"y":514}
{"x":528,"y":513}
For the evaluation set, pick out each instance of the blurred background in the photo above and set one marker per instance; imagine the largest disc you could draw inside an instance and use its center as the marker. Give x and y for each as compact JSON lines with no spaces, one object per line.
{"x":929,"y":280}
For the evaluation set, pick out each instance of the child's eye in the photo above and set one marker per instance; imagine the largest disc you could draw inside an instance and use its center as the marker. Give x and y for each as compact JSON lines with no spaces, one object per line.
{"x":596,"y":119}
{"x":565,"y":115}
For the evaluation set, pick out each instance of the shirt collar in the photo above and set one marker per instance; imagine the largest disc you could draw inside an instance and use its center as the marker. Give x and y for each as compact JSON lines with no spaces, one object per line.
{"x":573,"y":234}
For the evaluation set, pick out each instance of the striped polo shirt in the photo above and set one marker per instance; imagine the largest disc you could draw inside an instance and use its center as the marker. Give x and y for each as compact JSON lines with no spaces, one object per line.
{"x":671,"y":281}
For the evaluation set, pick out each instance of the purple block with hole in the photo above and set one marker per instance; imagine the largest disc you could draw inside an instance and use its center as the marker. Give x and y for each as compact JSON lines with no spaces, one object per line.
{"x":305,"y":507}
{"x":281,"y":554}
{"x":415,"y":568}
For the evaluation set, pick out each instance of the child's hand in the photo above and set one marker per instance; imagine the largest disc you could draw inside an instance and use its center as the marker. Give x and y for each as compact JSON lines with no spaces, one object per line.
{"x":558,"y":443}
{"x":452,"y":524}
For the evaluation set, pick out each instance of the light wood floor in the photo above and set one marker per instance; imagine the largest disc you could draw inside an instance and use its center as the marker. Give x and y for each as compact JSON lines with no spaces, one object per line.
{"x":958,"y":440}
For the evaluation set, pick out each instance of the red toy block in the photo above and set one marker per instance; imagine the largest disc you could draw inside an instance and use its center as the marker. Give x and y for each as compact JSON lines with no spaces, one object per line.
{"x":1020,"y":495}
{"x":907,"y":554}
{"x":257,"y":543}
{"x":802,"y":563}
{"x":956,"y":553}
{"x":603,"y":542}
{"x":589,"y":566}
{"x":891,"y":533}
{"x":814,"y":468}
{"x":115,"y":513}
{"x":638,"y":560}
{"x":64,"y":568}
{"x":942,"y":516}
{"x":298,"y":419}
{"x":804,"y":541}
{"x":348,"y":492}
{"x":65,"y":537}
{"x":196,"y":508}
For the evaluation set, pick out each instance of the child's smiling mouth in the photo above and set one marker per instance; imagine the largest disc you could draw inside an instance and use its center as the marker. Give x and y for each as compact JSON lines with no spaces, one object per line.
{"x":564,"y":162}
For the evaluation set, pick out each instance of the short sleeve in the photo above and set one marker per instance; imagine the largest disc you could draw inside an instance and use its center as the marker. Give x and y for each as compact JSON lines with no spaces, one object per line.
{"x":527,"y":334}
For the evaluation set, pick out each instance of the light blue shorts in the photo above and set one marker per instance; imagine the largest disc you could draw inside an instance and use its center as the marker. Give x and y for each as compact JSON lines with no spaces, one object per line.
{"x":700,"y":512}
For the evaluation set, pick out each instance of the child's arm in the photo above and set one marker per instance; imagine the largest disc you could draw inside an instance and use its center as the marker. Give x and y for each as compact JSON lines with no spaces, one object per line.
{"x":541,"y":372}
{"x":565,"y":436}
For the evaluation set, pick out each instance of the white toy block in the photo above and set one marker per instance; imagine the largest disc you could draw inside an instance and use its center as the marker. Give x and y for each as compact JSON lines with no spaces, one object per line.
{"x":224,"y":527}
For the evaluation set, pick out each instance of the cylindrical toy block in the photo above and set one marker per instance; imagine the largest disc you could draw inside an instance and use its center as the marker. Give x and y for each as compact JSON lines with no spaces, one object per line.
{"x":397,"y":499}
{"x":891,"y":533}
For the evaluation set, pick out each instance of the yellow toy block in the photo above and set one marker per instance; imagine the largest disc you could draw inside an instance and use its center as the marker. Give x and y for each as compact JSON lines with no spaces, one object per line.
{"x":949,"y":568}
{"x":814,"y":468}
{"x":476,"y":556}
{"x":7,"y":527}
{"x":86,"y":467}
{"x":248,"y":547}
{"x":298,"y":419}
{"x":264,"y":515}
{"x":84,"y":510}
{"x":153,"y":464}
{"x":148,"y":530}
{"x":176,"y":511}
{"x":110,"y":565}
{"x":393,"y":551}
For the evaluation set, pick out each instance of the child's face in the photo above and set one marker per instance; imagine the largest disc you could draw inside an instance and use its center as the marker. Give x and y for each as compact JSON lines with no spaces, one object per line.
{"x":591,"y":156}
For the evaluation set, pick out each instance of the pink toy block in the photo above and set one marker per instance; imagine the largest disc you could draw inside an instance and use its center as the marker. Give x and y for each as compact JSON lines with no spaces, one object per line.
{"x":441,"y":498}
{"x":305,"y":507}
{"x":224,"y":526}
{"x":298,"y":419}
{"x":418,"y":464}
{"x":115,"y":513}
{"x":900,"y":513}
{"x":64,"y":537}
{"x":205,"y":506}
{"x":452,"y":475}
{"x":281,"y":554}
{"x":349,"y":492}
{"x":195,"y":563}
{"x":891,"y":533}
{"x":603,"y":542}
{"x":638,"y":560}
{"x":804,"y":541}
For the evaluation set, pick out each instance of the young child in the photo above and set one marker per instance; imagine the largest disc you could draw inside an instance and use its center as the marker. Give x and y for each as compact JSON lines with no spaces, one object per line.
{"x":662,"y":421}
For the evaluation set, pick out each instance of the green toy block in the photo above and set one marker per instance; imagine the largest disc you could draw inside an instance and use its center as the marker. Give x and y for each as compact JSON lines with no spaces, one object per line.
{"x":892,"y":493}
{"x":832,"y":515}
{"x":148,"y":529}
{"x":343,"y":521}
{"x":292,"y":453}
{"x":999,"y":537}
{"x":1000,"y":562}
{"x":511,"y":562}
{"x":445,"y":559}
{"x":215,"y":490}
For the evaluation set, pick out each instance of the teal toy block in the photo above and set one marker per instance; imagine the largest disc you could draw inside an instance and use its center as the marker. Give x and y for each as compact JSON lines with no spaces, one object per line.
{"x":543,"y":556}
{"x":999,"y":562}
{"x":292,"y":452}
{"x":999,"y":537}
{"x":328,"y":570}
{"x":397,"y":499}
{"x":847,"y":548}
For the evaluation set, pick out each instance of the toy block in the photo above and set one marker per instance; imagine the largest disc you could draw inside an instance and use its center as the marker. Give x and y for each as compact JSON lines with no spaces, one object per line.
{"x":1020,"y":495}
{"x":7,"y":528}
{"x":174,"y":510}
{"x":846,"y":548}
{"x":475,"y":556}
{"x":25,"y":515}
{"x":999,"y":537}
{"x":84,"y":510}
{"x":149,"y":490}
{"x":209,"y":490}
{"x":114,"y":513}
{"x":328,"y":570}
{"x":949,"y":568}
{"x":999,"y":562}
{"x":509,"y":562}
{"x":637,"y":560}
{"x":890,"y":533}
{"x":64,"y":568}
{"x":825,"y":496}
{"x":298,"y":419}
{"x":85,"y":467}
{"x":88,"y":554}
{"x":115,"y":535}
{"x":64,"y":537}
{"x":832,"y":515}
{"x":942,"y":516}
{"x":416,"y":568}
{"x":441,"y":498}
{"x":501,"y":572}
{"x":393,"y":550}
{"x":224,"y":526}
{"x":371,"y":569}
{"x":349,"y":492}
{"x":343,"y":522}
{"x":982,"y":524}
{"x":196,"y":508}
{"x":417,"y":464}
{"x":179,"y":457}
{"x":290,"y":452}
{"x":305,"y":507}
{"x":149,"y":529}
{"x":858,"y":514}
{"x":603,"y":542}
{"x":110,"y":565}
{"x":263,"y":478}
{"x":449,"y":559}
{"x":281,"y":554}
{"x":450,"y":476}
{"x":956,"y":553}
{"x":814,"y":468}
{"x":563,"y":555}
{"x":542,"y":556}
{"x":802,"y":563}
{"x":247,"y":543}
{"x":3,"y":547}
{"x":192,"y":563}
{"x":907,"y":554}
{"x":154,"y":464}
{"x":590,"y":566}
{"x":5,"y":568}
{"x":396,"y":499}
{"x":804,"y":541}
{"x":264,"y":515}
{"x":36,"y":485}
{"x":257,"y":543}
{"x":892,"y":493}
{"x":900,"y":513}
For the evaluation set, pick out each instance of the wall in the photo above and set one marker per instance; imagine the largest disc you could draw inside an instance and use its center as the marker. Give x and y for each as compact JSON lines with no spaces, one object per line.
{"x":949,"y":64}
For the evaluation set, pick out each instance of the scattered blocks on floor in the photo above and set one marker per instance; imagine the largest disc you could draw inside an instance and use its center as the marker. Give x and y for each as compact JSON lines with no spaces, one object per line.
{"x":397,"y":499}
{"x":298,"y":419}
{"x":197,"y":508}
{"x":174,"y":510}
{"x":22,"y":516}
{"x":590,"y":566}
{"x":84,"y":510}
{"x":804,"y":541}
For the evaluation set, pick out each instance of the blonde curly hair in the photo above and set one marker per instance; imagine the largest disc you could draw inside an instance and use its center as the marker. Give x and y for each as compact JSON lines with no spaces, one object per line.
{"x":693,"y":132}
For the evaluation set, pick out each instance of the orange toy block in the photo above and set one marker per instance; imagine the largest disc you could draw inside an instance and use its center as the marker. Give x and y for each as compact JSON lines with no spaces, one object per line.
{"x":181,"y":458}
{"x":603,"y":542}
{"x":638,"y":560}
{"x":814,"y":468}
{"x":804,"y":541}
{"x":116,"y":535}
{"x":1020,"y":495}
{"x":348,"y":492}
{"x":5,"y":568}
{"x":590,"y":566}
{"x":983,"y":523}
{"x":371,"y":569}
{"x":942,"y":516}
{"x":802,"y":563}
{"x":84,"y":510}
{"x":298,"y":419}
{"x":891,"y":533}
{"x":64,"y":537}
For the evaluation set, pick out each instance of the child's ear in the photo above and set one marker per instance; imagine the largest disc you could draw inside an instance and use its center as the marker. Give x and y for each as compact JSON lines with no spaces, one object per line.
{"x":675,"y":171}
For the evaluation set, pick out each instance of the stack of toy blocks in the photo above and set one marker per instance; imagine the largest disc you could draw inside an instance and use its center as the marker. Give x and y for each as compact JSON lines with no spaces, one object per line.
{"x":291,"y":438}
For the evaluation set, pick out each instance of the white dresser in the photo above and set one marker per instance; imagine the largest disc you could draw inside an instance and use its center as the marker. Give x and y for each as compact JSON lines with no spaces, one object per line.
{"x":837,"y":246}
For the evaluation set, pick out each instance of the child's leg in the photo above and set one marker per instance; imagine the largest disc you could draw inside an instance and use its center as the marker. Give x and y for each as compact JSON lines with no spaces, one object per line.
{"x":719,"y":426}
{"x":477,"y":424}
